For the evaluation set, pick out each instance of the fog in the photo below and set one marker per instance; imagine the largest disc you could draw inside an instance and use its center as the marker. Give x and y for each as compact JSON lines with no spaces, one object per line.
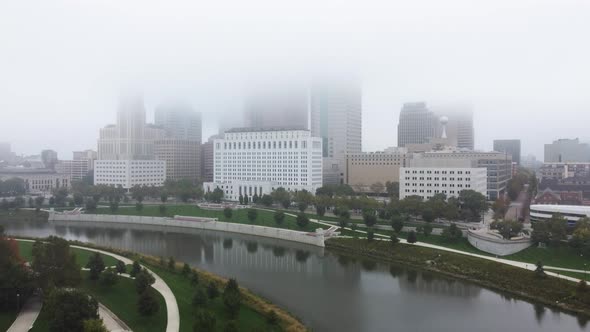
{"x":522,"y":65}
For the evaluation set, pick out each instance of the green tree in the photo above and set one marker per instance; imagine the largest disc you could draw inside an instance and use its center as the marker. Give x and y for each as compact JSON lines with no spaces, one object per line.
{"x":266,"y":200}
{"x":200,"y":299}
{"x":369,"y":218}
{"x":343,"y":217}
{"x":473,"y":201}
{"x":90,"y":205}
{"x":540,"y":270}
{"x":147,"y":304}
{"x":78,"y":199}
{"x":232,"y":297}
{"x":392,"y":188}
{"x":428,"y":214}
{"x":272,"y":318}
{"x":54,"y":264}
{"x":580,"y":239}
{"x":508,"y":228}
{"x":451,"y":233}
{"x":393,"y":238}
{"x":426,"y":230}
{"x":397,"y":222}
{"x":108,"y":278}
{"x":39,"y":201}
{"x":204,"y":321}
{"x":227,"y":212}
{"x":135,"y":269}
{"x":212,"y":290}
{"x":139,"y":207}
{"x":281,"y":196}
{"x":96,"y":266}
{"x":241,"y":198}
{"x":302,"y":220}
{"x":94,"y":325}
{"x":143,"y":281}
{"x":370,"y":235}
{"x":194,"y":278}
{"x":186,"y":270}
{"x":164,"y":197}
{"x":162,"y":209}
{"x":252,"y":214}
{"x":551,"y":231}
{"x":120,"y":267}
{"x":114,"y":206}
{"x":67,"y":310}
{"x":279,"y":217}
{"x":412,"y":237}
{"x":171,"y":263}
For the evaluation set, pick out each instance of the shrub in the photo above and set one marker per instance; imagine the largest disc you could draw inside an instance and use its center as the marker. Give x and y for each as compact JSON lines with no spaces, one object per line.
{"x":412,"y":237}
{"x":302,"y":220}
{"x":393,"y":239}
{"x":186,"y":269}
{"x":147,"y":305}
{"x":227,"y":212}
{"x":143,"y":280}
{"x":279,"y":217}
{"x":232,"y":298}
{"x":205,"y":321}
{"x":162,"y":209}
{"x":135,"y":269}
{"x":212,"y":290}
{"x":252,"y":214}
{"x":200,"y":299}
{"x":452,"y":233}
{"x":370,"y":235}
{"x":121,"y":268}
{"x":109,"y":278}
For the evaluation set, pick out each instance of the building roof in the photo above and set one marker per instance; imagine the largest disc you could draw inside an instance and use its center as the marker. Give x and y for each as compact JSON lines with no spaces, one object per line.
{"x":259,"y":129}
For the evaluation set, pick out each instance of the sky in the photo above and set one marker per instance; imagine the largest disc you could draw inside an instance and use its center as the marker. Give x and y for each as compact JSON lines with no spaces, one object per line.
{"x":524,"y":66}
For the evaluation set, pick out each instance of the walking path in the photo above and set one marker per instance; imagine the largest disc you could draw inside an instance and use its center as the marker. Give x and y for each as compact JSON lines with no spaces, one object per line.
{"x":111,"y":321}
{"x":27,"y":316}
{"x":173,"y":314}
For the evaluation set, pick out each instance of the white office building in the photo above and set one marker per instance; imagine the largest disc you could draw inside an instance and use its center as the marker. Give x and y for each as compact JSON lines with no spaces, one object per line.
{"x":429,"y":181}
{"x":76,"y":169}
{"x":252,"y":161}
{"x":129,"y":173}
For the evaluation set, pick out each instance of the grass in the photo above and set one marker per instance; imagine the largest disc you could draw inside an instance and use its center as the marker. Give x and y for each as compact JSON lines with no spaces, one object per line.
{"x":6,"y":319}
{"x":247,"y":320}
{"x":240,"y":216}
{"x":82,"y":256}
{"x":23,"y":215}
{"x":558,"y":256}
{"x":583,"y":276}
{"x":524,"y":283}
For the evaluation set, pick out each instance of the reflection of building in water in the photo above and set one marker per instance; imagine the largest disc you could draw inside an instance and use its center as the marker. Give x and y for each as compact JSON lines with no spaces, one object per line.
{"x":427,"y":283}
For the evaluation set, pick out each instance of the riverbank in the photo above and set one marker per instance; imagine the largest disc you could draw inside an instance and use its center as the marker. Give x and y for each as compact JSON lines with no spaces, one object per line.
{"x":525,"y":284}
{"x":252,"y":316}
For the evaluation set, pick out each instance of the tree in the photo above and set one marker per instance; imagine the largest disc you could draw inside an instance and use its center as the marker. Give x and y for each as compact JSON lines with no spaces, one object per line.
{"x":227,"y":212}
{"x":377,"y":187}
{"x":19,"y":202}
{"x":78,"y":199}
{"x":135,"y":269}
{"x":252,"y":214}
{"x":451,"y":211}
{"x":279,"y":217}
{"x":51,"y":201}
{"x":473,"y":201}
{"x":212,"y":291}
{"x":67,"y":310}
{"x":392,"y":188}
{"x":200,"y":298}
{"x":451,"y":233}
{"x":94,"y":325}
{"x":426,"y":230}
{"x":281,"y":196}
{"x":580,"y":239}
{"x":216,"y":196}
{"x":164,"y":197}
{"x":508,"y":228}
{"x":412,"y":237}
{"x":39,"y":201}
{"x":162,"y":209}
{"x":96,"y":266}
{"x":143,"y":281}
{"x":171,"y":263}
{"x":428,"y":214}
{"x":412,"y":205}
{"x":54,"y":264}
{"x":397,"y":222}
{"x":500,"y":208}
{"x":204,"y":321}
{"x":138,"y":207}
{"x":121,"y":268}
{"x":343,"y":217}
{"x":370,"y":235}
{"x":232,"y":297}
{"x":186,"y":270}
{"x":108,"y":278}
{"x":540,"y":270}
{"x":393,"y":239}
{"x":90,"y":205}
{"x":266,"y":200}
{"x":194,"y":278}
{"x":551,"y":231}
{"x":246,"y":199}
{"x":241,"y":199}
{"x":147,"y":305}
{"x":114,"y":206}
{"x":302,"y":220}
{"x":370,"y":218}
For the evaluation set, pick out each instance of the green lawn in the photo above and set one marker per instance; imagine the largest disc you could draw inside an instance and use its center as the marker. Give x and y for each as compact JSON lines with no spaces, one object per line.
{"x":6,"y":319}
{"x":560,"y":256}
{"x":265,"y":218}
{"x":82,"y":256}
{"x":585,"y":276}
{"x":248,"y":319}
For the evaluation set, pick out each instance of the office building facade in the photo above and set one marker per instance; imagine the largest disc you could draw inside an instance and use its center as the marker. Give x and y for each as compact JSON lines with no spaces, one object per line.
{"x":182,"y":156}
{"x":567,"y":150}
{"x":251,"y":162}
{"x":75,"y":169}
{"x":510,"y":146}
{"x":130,"y":173}
{"x":369,"y":170}
{"x":429,"y":181}
{"x":417,"y":124}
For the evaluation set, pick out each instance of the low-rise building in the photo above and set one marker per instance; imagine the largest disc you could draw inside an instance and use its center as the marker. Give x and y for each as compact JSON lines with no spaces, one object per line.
{"x":551,"y":197}
{"x":129,"y":173}
{"x":429,"y":181}
{"x":76,"y":169}
{"x":559,"y":171}
{"x":257,"y":161}
{"x":37,"y":180}
{"x":367,"y":169}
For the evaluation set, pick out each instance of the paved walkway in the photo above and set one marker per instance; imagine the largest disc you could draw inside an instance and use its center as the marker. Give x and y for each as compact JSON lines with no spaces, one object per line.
{"x":173,"y":315}
{"x":27,"y":316}
{"x":110,"y":320}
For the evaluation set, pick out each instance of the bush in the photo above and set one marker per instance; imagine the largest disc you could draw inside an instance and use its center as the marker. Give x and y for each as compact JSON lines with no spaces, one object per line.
{"x":147,"y":305}
{"x":397,"y":223}
{"x":135,"y":269}
{"x":412,"y":237}
{"x":370,"y":235}
{"x":231,"y":326}
{"x":205,"y":321}
{"x":212,"y":290}
{"x":194,"y":278}
{"x":227,"y":212}
{"x":186,"y":269}
{"x":272,"y":318}
{"x":393,"y":239}
{"x":139,"y":207}
{"x":121,"y":268}
{"x":279,"y":217}
{"x":252,"y":214}
{"x":96,"y":266}
{"x":143,"y":280}
{"x":451,"y":233}
{"x":68,"y":309}
{"x":266,"y":200}
{"x":232,"y":298}
{"x":171,"y":263}
{"x":94,"y":325}
{"x":370,"y":219}
{"x":200,"y":299}
{"x":108,"y":278}
{"x":302,"y":220}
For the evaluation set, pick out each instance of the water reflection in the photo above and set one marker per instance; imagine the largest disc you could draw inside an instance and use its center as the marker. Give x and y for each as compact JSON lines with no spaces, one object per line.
{"x":330,"y":292}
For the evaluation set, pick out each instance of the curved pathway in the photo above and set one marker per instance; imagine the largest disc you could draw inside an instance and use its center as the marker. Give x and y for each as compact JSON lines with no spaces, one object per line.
{"x":27,"y":316}
{"x":173,"y":314}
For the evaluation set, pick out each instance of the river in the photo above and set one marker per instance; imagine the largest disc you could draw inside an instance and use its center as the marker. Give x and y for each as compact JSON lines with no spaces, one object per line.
{"x":328,"y":292}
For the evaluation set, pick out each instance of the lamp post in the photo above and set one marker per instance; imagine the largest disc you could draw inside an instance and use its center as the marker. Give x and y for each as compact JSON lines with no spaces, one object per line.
{"x":17,"y":302}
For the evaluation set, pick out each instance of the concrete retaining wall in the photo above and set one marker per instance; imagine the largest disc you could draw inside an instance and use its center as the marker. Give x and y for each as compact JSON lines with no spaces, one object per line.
{"x":197,"y":223}
{"x":498,"y":247}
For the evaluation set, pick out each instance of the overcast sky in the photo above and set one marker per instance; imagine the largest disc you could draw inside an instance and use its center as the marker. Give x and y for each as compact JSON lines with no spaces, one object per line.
{"x":523,"y":65}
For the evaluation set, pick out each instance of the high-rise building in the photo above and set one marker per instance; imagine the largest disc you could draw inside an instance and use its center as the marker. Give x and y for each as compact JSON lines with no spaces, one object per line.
{"x":336,"y":117}
{"x":257,"y":161}
{"x":510,"y":146}
{"x":207,"y":159}
{"x":417,"y":124}
{"x":459,"y":126}
{"x":5,"y":152}
{"x":277,"y":105}
{"x":182,"y":144}
{"x":49,"y":158}
{"x":131,"y":138}
{"x":179,"y":121}
{"x":126,"y":150}
{"x":567,"y":150}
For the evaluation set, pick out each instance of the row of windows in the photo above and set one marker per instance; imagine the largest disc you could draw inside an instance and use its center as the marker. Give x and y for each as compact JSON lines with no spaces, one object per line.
{"x":440,"y":185}
{"x":435,"y":172}
{"x":262,"y":145}
{"x":436,"y":179}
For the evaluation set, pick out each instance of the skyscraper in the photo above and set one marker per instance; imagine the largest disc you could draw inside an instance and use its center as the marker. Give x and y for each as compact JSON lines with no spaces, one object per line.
{"x":417,"y":124}
{"x":510,"y":146}
{"x":336,"y":117}
{"x":460,"y":131}
{"x":182,"y":144}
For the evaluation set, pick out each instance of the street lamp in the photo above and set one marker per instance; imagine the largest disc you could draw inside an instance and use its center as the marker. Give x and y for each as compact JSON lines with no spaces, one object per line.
{"x":17,"y":302}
